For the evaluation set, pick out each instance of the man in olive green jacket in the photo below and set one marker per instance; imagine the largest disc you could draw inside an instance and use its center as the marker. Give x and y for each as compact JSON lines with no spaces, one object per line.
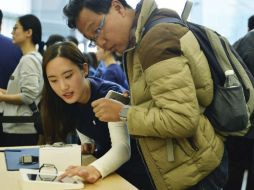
{"x":178,"y":143}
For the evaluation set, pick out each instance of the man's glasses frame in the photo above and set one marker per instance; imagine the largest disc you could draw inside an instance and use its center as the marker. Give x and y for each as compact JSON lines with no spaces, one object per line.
{"x":92,"y":43}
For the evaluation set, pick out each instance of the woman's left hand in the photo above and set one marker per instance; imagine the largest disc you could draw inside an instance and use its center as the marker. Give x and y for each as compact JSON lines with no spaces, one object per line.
{"x":3,"y":91}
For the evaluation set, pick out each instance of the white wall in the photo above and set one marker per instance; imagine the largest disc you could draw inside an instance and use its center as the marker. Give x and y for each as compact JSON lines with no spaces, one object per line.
{"x":48,"y":11}
{"x":228,"y":17}
{"x":12,"y":12}
{"x":177,"y":5}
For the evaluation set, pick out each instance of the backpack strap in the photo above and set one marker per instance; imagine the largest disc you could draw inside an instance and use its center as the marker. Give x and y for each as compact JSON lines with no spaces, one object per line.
{"x":151,"y":24}
{"x":21,"y":119}
{"x":17,"y":119}
{"x":35,"y":118}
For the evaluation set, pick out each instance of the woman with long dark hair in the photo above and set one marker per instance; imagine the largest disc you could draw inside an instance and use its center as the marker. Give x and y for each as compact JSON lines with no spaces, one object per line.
{"x":66,"y":106}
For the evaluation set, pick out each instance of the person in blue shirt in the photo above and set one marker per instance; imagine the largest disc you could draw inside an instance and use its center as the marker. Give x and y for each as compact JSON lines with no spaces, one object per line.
{"x":100,"y":69}
{"x":10,"y":55}
{"x":66,"y":106}
{"x":111,"y":71}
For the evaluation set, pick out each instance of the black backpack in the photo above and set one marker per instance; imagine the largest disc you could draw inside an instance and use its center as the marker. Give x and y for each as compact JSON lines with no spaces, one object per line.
{"x":231,"y":111}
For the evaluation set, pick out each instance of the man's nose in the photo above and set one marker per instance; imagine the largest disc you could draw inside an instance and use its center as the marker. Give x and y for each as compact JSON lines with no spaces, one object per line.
{"x":101,"y":42}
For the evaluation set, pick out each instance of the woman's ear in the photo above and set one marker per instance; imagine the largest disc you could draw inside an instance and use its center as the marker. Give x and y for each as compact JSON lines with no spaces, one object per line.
{"x":85,"y":69}
{"x":29,"y":32}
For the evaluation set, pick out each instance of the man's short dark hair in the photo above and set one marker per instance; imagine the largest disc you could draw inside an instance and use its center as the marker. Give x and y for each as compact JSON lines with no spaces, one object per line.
{"x":251,"y":23}
{"x":74,"y":7}
{"x":1,"y":16}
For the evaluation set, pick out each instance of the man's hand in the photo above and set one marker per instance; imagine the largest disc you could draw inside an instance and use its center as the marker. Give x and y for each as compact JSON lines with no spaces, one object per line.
{"x":89,"y":173}
{"x":107,"y":110}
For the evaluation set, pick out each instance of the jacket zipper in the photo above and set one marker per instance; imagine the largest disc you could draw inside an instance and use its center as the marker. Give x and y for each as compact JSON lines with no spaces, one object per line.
{"x":124,"y":61}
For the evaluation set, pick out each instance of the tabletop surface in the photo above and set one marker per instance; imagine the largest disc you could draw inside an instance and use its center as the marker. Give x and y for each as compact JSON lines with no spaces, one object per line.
{"x":10,"y":179}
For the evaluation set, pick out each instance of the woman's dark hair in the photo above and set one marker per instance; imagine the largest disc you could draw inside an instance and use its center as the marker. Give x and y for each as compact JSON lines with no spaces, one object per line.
{"x":58,"y":117}
{"x":74,"y":7}
{"x":1,"y":16}
{"x":251,"y":23}
{"x":30,"y":21}
{"x":92,"y":60}
{"x":54,"y":38}
{"x":72,"y":39}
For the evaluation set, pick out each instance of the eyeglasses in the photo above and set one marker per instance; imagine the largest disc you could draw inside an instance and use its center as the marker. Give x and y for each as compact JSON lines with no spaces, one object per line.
{"x":92,"y":43}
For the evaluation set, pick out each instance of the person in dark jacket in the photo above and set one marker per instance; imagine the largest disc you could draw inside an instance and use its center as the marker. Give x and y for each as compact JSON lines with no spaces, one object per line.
{"x":242,"y":161}
{"x":10,"y":55}
{"x":245,"y":46}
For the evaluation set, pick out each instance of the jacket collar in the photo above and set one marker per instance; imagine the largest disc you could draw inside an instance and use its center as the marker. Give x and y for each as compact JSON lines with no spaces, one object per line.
{"x":146,"y":11}
{"x":143,"y":10}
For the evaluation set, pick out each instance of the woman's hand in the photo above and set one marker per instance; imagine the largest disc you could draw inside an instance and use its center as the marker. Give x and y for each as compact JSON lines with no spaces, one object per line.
{"x":1,"y":95}
{"x":3,"y":91}
{"x":88,"y":148}
{"x":107,"y":110}
{"x":89,"y":173}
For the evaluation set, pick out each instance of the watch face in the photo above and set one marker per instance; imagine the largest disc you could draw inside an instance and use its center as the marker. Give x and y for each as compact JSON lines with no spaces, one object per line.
{"x":27,"y":159}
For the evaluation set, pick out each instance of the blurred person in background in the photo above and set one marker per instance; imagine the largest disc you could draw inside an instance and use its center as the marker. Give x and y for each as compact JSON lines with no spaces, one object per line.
{"x":245,"y":46}
{"x":10,"y":55}
{"x":54,"y":38}
{"x":92,"y":62}
{"x":72,"y":39}
{"x":25,"y":84}
{"x":112,"y":71}
{"x":242,"y":160}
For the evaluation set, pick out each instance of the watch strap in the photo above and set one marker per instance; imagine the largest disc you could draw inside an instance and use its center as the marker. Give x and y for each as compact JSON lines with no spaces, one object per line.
{"x":124,"y":112}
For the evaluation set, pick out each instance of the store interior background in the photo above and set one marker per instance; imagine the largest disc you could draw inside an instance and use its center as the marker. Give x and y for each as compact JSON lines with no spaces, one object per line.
{"x":227,"y":17}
